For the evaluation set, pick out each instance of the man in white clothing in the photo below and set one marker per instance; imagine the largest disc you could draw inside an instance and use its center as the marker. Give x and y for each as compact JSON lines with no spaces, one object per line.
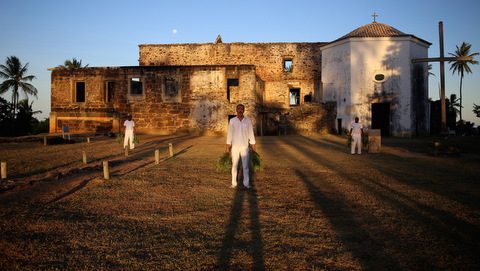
{"x":129,"y":125}
{"x":239,"y":139}
{"x":356,"y":132}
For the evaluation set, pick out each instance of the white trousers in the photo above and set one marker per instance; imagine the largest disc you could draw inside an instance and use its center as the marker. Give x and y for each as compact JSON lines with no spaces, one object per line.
{"x":356,"y":140}
{"x":128,"y":139}
{"x":237,"y":153}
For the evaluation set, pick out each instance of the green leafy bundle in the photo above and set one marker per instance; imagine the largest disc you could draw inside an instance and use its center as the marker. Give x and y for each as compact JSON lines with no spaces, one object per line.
{"x":364,"y":141}
{"x":224,"y":163}
{"x":119,"y":138}
{"x":256,"y":162}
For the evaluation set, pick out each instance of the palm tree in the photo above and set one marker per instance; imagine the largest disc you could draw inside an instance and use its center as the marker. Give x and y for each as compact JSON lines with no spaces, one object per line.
{"x":454,"y":105}
{"x":476,"y":110}
{"x":16,"y":78}
{"x":72,"y":64}
{"x":461,"y":66}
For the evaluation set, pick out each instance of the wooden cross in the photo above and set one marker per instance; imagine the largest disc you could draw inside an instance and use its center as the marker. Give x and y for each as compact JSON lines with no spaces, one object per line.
{"x":442,"y":60}
{"x":374,"y":15}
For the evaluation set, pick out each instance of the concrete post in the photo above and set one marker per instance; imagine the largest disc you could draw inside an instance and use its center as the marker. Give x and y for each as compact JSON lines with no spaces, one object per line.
{"x":106,"y":171}
{"x":84,"y":155}
{"x":88,"y":139}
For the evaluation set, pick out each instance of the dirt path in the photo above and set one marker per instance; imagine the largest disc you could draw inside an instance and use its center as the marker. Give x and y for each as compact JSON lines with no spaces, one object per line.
{"x":313,"y":207}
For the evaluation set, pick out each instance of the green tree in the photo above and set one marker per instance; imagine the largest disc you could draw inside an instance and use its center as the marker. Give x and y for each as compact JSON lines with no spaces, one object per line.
{"x":454,"y":105}
{"x":476,"y":110}
{"x":72,"y":64}
{"x":25,"y":120}
{"x":461,"y":67}
{"x":16,"y":79}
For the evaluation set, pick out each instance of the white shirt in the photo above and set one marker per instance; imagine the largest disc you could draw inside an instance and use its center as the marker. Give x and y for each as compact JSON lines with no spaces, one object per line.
{"x":129,"y":124}
{"x":240,"y":133}
{"x":356,"y":128}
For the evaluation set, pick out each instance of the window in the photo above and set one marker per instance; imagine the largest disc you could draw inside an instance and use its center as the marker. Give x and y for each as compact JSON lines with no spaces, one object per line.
{"x":308,"y":98}
{"x":231,"y":83}
{"x":136,"y":86}
{"x":80,"y":92}
{"x":294,"y":96}
{"x":287,"y":65}
{"x":171,"y":87}
{"x":379,"y":77}
{"x":109,"y":91}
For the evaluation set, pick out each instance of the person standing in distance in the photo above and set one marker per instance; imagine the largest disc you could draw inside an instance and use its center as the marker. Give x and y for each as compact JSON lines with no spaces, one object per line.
{"x":129,"y":126}
{"x":356,"y":132}
{"x":239,"y":139}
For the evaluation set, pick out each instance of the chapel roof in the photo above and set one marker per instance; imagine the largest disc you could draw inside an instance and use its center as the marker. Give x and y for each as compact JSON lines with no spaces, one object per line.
{"x":376,"y":30}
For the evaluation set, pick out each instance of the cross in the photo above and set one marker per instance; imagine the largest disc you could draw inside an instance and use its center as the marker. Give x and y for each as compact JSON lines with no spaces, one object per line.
{"x":374,"y":15}
{"x":442,"y":60}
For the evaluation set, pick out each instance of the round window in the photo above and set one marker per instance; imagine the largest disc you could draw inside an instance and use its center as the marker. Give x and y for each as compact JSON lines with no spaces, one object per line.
{"x":379,"y":77}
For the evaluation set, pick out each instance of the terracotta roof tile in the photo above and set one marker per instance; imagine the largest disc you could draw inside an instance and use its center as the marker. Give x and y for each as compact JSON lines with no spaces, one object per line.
{"x":374,"y":30}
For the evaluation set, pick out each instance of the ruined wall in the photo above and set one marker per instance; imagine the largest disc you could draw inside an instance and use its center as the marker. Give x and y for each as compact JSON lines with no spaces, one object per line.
{"x":173,"y":98}
{"x":268,"y":59}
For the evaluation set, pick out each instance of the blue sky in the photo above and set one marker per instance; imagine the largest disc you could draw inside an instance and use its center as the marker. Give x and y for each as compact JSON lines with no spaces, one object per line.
{"x":45,"y":33}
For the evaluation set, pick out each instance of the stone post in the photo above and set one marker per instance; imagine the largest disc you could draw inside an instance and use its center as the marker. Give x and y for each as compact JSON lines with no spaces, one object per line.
{"x":170,"y":149}
{"x":3,"y":167}
{"x":374,"y":140}
{"x":157,"y":157}
{"x":84,"y":156}
{"x":106,"y":171}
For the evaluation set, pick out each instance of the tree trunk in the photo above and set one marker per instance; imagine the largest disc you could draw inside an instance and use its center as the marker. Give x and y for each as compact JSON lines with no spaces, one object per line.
{"x":461,"y":79}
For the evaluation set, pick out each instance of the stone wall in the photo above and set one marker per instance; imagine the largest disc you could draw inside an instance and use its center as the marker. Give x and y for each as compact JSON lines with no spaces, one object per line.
{"x":173,"y":98}
{"x":268,"y":59}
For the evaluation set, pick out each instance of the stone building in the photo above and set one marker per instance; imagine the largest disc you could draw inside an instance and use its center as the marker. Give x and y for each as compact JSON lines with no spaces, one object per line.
{"x":286,"y":87}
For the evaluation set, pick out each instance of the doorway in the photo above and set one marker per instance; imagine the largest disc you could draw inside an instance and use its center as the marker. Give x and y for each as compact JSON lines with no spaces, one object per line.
{"x":381,"y":117}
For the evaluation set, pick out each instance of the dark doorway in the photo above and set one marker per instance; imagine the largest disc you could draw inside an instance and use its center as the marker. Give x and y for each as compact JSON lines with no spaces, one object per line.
{"x":381,"y":117}
{"x":339,"y":126}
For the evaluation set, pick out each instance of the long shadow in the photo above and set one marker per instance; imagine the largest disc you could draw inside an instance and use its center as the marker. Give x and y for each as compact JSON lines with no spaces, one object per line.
{"x":71,"y":191}
{"x":232,"y":227}
{"x":344,"y":222}
{"x":256,"y":245}
{"x":402,"y":172}
{"x":115,"y":163}
{"x":444,"y":225}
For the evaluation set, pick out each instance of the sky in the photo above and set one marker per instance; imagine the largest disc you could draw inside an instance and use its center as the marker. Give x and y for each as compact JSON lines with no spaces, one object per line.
{"x":45,"y":33}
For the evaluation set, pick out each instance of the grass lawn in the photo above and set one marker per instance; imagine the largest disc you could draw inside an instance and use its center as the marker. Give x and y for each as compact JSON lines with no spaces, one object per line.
{"x":312,"y":207}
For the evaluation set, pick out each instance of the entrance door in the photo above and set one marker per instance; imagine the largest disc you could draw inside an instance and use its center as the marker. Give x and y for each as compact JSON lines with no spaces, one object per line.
{"x":381,"y":117}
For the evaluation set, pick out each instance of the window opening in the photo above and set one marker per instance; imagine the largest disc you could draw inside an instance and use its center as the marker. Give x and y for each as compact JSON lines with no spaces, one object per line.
{"x":287,"y":65}
{"x":379,"y":77}
{"x":171,"y":87}
{"x":136,"y":86}
{"x":294,"y":96}
{"x":80,"y":92}
{"x":231,"y":83}
{"x":308,"y":98}
{"x":109,"y":91}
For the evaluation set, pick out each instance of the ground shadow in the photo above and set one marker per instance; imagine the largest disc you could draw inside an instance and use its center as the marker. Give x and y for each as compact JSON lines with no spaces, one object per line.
{"x":229,"y":244}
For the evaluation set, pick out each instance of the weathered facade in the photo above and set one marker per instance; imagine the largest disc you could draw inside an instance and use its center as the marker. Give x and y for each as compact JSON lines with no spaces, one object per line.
{"x":195,"y":87}
{"x":369,"y":74}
